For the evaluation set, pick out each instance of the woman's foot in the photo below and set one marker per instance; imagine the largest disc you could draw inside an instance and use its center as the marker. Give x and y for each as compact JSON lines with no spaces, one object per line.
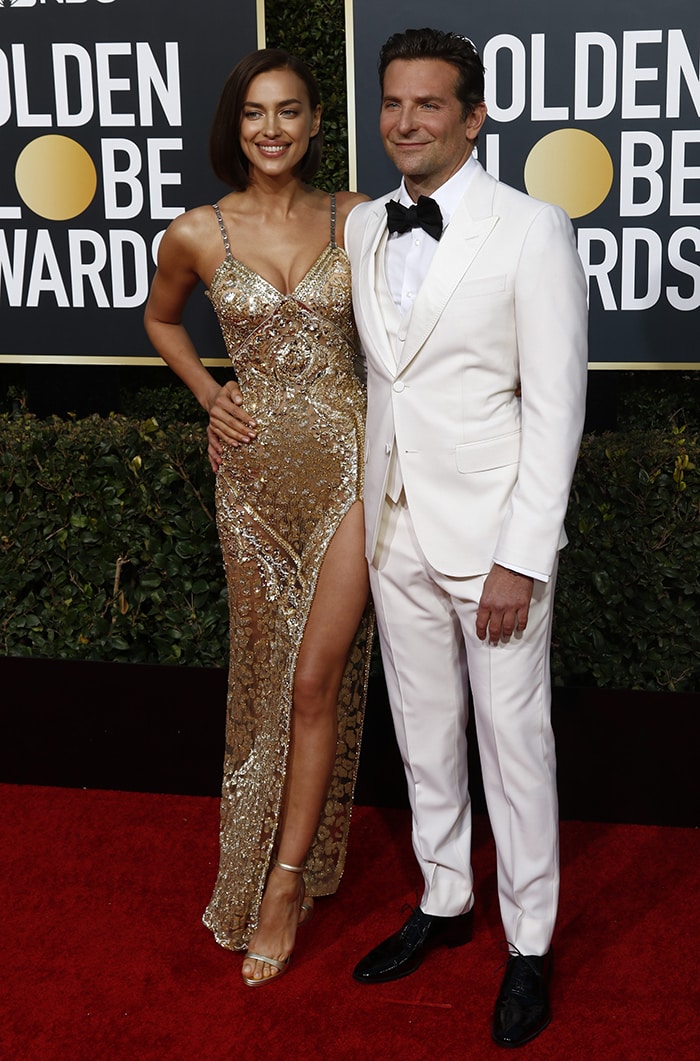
{"x":280,"y":914}
{"x":306,"y":911}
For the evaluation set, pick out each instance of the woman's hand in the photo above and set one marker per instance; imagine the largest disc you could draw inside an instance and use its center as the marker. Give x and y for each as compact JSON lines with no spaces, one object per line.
{"x":228,"y":423}
{"x":214,"y":450}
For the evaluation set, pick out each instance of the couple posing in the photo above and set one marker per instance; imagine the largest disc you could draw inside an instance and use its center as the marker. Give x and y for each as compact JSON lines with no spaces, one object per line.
{"x":470,"y":305}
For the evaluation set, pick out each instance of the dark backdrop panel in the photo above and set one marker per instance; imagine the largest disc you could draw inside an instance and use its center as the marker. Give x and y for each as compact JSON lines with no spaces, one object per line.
{"x":626,"y":74}
{"x":135,"y":93}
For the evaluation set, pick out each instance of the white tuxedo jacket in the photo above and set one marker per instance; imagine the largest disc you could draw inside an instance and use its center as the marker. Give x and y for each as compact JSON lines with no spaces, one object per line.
{"x":486,"y":474}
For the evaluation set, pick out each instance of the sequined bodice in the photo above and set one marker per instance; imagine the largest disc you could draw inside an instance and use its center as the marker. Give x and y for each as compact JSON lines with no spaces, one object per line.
{"x":278,"y":341}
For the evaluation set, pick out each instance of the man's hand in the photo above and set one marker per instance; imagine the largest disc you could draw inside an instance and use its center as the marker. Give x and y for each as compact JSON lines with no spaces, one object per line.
{"x":504,"y":604}
{"x":228,"y":423}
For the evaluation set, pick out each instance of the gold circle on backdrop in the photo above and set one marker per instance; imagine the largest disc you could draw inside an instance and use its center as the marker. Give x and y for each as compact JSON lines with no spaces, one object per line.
{"x":55,"y":177}
{"x":570,"y":168}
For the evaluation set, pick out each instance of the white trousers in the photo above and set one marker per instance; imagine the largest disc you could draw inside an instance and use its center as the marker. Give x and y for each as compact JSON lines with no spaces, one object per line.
{"x":430,"y":654}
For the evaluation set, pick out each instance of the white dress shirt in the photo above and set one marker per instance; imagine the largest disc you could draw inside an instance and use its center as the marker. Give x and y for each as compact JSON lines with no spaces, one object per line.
{"x":409,"y":254}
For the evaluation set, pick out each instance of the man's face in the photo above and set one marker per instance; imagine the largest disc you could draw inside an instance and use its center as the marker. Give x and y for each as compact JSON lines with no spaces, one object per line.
{"x":422,"y":125}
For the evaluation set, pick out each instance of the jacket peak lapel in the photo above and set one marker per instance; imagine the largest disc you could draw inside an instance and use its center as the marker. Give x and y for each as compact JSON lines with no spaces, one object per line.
{"x":365,"y":290}
{"x":461,"y":243}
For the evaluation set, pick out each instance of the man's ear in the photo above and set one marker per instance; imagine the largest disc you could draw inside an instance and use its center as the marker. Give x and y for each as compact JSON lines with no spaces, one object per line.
{"x":476,"y":119}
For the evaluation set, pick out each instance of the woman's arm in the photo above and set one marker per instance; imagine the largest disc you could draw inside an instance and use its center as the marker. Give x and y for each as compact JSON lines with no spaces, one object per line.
{"x":176,"y":277}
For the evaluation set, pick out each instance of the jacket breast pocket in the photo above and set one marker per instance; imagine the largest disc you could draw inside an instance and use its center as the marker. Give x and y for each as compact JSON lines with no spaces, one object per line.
{"x":480,"y":286}
{"x":488,"y":454}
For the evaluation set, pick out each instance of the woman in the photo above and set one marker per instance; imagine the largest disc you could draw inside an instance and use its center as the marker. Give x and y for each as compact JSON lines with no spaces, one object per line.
{"x":287,"y":451}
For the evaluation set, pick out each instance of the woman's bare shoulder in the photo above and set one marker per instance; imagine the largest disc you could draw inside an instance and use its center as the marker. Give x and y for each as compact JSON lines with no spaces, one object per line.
{"x":193,"y":224}
{"x":346,"y":200}
{"x":191,"y":242}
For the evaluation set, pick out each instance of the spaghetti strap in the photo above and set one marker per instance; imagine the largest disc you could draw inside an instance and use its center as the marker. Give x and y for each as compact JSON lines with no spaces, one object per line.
{"x":222,"y":226}
{"x":332,"y":219}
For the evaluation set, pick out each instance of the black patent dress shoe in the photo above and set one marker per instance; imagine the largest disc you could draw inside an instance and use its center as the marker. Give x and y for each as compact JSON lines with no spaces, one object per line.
{"x":402,"y":953}
{"x":522,"y":1008}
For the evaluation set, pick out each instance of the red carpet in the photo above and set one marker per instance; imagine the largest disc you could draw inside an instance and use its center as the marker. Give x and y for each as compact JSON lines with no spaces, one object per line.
{"x":105,"y":957}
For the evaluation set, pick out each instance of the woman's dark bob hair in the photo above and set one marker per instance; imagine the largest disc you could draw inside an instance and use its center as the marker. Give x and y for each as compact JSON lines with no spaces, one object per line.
{"x":225,"y":153}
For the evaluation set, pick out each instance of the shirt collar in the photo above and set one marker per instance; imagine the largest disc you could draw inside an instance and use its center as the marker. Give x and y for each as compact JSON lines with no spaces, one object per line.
{"x":449,"y":194}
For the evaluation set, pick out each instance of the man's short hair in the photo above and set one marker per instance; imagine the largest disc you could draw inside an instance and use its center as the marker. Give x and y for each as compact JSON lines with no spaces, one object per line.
{"x":427,"y":43}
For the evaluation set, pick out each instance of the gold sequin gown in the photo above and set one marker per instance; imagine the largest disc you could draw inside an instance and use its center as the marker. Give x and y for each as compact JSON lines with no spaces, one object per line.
{"x":279,"y":501}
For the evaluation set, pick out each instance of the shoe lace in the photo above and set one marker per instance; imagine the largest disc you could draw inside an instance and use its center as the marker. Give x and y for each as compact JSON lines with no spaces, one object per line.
{"x":517,"y":984}
{"x":407,"y":906}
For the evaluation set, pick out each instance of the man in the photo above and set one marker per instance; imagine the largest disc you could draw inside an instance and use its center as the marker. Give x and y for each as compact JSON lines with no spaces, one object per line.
{"x":474,"y":333}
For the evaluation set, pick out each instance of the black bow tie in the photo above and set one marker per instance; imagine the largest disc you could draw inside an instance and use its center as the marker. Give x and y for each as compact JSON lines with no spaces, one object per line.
{"x":424,"y":214}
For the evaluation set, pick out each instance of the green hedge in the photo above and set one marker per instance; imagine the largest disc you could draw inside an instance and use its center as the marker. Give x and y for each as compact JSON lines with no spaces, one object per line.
{"x":627,"y":612}
{"x":315,"y":31}
{"x":108,"y":550}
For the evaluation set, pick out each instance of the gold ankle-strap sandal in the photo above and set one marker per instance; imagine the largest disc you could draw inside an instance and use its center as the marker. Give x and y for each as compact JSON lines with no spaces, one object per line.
{"x":281,"y":965}
{"x":307,"y":908}
{"x":285,"y":865}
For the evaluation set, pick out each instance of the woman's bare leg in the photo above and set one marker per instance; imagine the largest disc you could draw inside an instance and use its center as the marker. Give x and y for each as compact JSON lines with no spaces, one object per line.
{"x":339,"y":601}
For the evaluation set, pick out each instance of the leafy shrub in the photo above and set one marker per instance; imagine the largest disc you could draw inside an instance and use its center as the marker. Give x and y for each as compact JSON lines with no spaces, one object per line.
{"x":316,"y":32}
{"x":108,"y":551}
{"x":655,"y":399}
{"x":626,"y":612}
{"x":108,"y":548}
{"x":168,"y":404}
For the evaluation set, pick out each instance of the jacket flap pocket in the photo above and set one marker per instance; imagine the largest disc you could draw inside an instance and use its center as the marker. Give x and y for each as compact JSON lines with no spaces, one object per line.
{"x":491,"y":453}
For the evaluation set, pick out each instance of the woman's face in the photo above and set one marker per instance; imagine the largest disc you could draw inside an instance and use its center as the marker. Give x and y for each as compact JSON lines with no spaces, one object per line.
{"x":277,"y":123}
